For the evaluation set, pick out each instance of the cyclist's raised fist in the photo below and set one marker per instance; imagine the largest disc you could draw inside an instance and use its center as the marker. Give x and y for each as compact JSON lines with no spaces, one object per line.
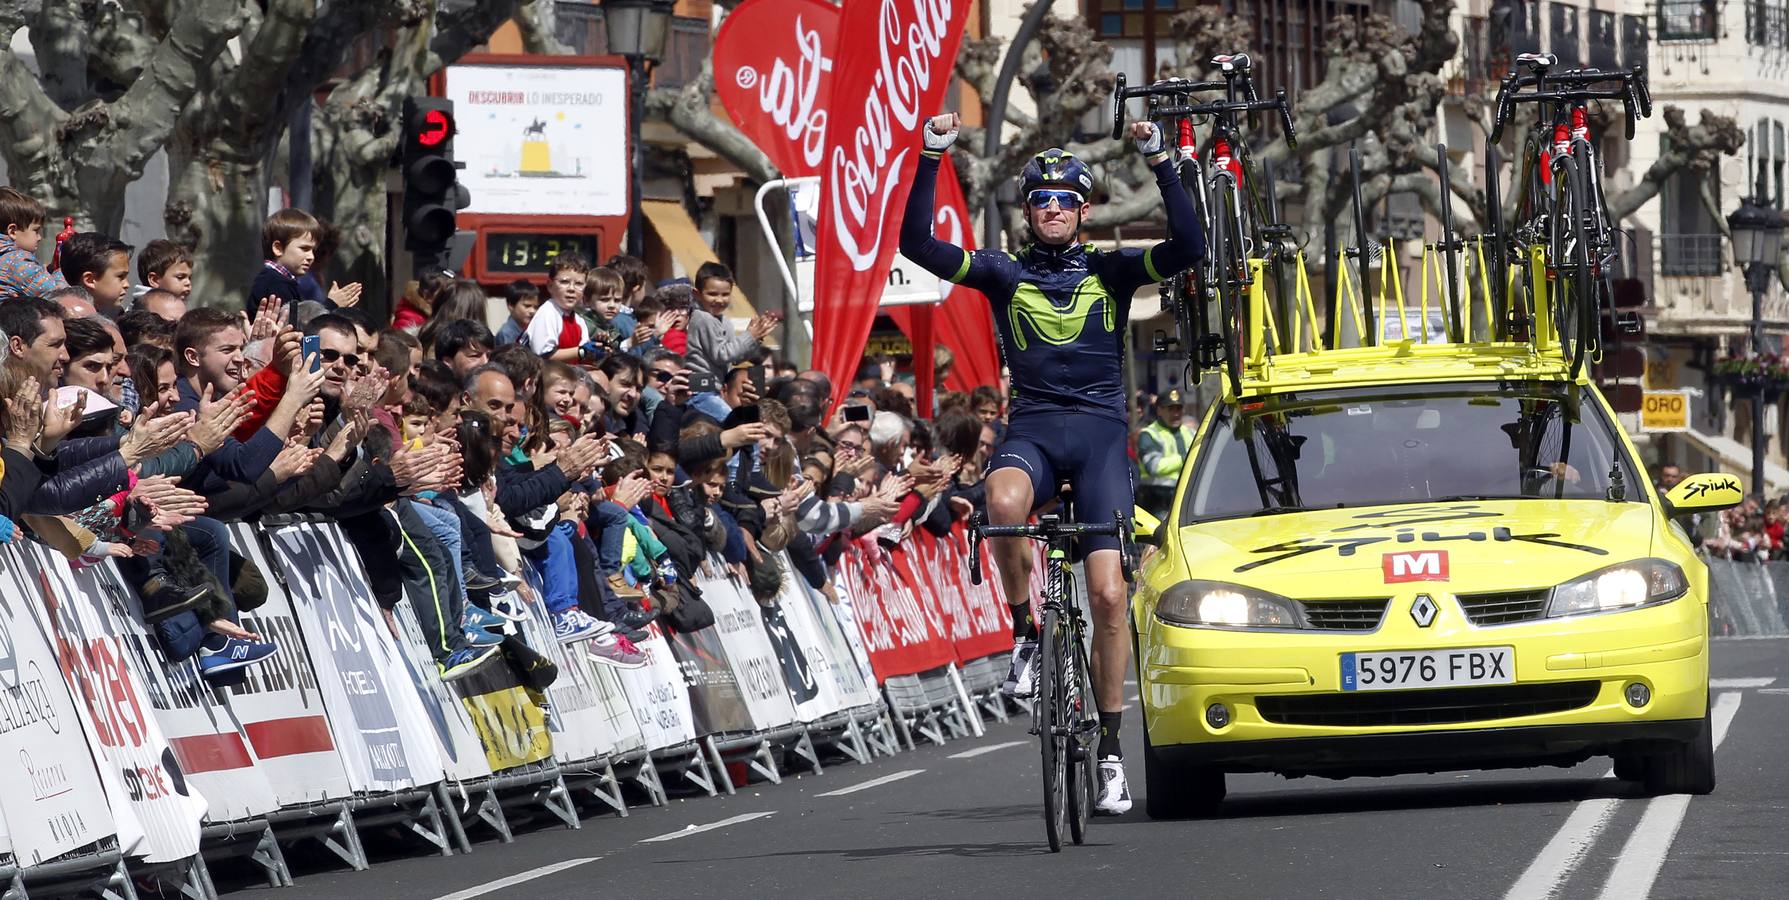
{"x":941,"y":131}
{"x":1147,"y":137}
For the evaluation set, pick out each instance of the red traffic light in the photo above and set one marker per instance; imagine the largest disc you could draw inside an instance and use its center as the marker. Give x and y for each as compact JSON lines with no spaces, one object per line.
{"x":436,"y":127}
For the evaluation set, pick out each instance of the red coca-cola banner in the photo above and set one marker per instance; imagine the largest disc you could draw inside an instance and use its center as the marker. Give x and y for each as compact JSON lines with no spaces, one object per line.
{"x":772,"y":69}
{"x":895,"y":60}
{"x":968,"y":324}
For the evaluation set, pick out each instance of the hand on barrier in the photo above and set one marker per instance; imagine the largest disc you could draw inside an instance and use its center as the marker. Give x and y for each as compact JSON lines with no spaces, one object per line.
{"x":941,"y":131}
{"x":230,"y":629}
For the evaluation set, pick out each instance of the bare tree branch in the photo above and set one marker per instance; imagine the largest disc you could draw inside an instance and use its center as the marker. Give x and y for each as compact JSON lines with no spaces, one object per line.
{"x":1694,"y":149}
{"x":149,"y":109}
{"x":538,"y":23}
{"x":59,"y":37}
{"x":689,"y":111}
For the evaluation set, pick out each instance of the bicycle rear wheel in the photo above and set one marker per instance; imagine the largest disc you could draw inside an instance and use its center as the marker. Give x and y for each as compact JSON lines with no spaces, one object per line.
{"x":1496,"y":252}
{"x":1226,"y":251}
{"x":1051,"y":701}
{"x":1571,"y":298}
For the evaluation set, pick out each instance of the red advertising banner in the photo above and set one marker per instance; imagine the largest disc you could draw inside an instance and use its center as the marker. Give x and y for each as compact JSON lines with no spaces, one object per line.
{"x":773,"y":64}
{"x":899,"y":635}
{"x":895,"y":63}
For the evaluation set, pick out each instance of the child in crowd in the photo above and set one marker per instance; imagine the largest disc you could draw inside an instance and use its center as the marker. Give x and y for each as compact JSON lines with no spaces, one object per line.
{"x":20,"y":272}
{"x":418,"y":303}
{"x":101,"y":265}
{"x":603,"y":318}
{"x":164,"y":265}
{"x":713,"y":346}
{"x":523,"y":299}
{"x":557,"y":332}
{"x":289,"y":245}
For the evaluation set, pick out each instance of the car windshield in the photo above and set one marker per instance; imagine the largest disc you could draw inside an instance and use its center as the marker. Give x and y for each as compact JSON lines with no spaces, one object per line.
{"x":1408,"y":444}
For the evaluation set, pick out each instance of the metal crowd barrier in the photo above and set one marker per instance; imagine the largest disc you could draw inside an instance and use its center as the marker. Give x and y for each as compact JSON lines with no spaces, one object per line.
{"x":349,"y":728}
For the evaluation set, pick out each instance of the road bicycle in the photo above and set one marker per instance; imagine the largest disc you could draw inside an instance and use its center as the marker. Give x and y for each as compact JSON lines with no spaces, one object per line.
{"x":1562,"y":211}
{"x":1239,"y":220}
{"x":1064,"y":714}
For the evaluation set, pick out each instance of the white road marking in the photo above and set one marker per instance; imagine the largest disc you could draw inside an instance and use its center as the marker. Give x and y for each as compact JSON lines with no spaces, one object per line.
{"x":1556,"y":861}
{"x":1728,"y":684}
{"x":874,"y":782}
{"x":971,"y":754}
{"x":1644,"y":854}
{"x":1560,"y":857}
{"x":491,"y":887}
{"x":698,"y":829}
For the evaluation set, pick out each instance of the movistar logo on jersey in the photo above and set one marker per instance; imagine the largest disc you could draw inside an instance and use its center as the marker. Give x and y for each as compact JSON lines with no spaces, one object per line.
{"x":1055,"y":324}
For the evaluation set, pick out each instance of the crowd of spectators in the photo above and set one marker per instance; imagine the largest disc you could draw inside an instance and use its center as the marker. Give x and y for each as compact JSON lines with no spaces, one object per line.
{"x":613,"y":437}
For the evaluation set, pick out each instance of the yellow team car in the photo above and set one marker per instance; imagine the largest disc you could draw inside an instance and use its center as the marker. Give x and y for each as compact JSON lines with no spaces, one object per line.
{"x":1413,"y":559}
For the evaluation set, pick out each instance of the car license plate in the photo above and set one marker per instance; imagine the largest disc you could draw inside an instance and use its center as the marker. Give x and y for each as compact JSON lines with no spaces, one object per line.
{"x":1407,"y":669}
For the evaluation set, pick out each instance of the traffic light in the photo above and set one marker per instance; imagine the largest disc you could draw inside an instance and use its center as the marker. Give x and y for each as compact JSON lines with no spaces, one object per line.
{"x":432,"y":192}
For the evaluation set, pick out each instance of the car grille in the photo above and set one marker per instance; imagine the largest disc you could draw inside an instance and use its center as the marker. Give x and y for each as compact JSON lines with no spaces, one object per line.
{"x":1505,"y":607}
{"x":1439,"y":706}
{"x":1345,"y":615}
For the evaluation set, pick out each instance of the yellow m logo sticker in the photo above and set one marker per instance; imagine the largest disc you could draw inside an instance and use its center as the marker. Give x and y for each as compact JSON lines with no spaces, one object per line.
{"x":1054,"y":324}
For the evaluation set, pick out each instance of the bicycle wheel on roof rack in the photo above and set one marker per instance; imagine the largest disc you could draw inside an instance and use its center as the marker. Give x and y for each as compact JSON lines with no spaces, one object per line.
{"x":1230,"y":269}
{"x":1572,"y":299}
{"x":1496,"y":247}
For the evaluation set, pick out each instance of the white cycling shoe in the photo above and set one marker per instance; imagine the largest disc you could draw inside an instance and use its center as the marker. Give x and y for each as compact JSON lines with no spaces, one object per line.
{"x":1021,"y":679}
{"x":1114,"y":791}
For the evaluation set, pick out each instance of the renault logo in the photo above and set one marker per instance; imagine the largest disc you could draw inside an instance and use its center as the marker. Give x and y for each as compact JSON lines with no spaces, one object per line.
{"x":1423,"y":611}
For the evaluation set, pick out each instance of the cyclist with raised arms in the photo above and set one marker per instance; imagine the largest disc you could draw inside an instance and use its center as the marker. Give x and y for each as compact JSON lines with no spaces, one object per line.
{"x":1061,"y":309}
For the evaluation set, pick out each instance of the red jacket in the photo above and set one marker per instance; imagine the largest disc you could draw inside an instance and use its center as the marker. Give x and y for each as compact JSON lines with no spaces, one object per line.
{"x":269,"y":386}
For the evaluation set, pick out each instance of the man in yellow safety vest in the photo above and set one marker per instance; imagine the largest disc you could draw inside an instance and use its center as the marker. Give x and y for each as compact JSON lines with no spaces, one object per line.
{"x":1162,"y":449}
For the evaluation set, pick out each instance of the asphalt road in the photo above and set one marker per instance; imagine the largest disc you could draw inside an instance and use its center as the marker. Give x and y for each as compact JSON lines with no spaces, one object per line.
{"x":965,"y":817}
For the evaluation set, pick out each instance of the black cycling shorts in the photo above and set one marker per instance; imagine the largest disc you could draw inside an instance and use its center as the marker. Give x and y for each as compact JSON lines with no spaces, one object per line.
{"x":1087,"y":451}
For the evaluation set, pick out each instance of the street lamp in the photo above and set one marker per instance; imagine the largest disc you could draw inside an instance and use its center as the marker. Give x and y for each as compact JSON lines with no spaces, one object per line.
{"x":637,"y":30}
{"x":1757,"y":231}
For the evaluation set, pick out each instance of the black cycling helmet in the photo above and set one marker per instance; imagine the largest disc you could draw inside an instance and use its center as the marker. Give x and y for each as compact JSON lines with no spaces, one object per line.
{"x":1056,"y":168}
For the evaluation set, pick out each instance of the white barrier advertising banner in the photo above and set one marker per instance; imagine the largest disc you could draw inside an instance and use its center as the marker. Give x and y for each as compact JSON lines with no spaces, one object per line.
{"x":852,"y":686}
{"x":462,"y":756}
{"x":50,"y":791}
{"x":591,"y":713}
{"x":660,"y":698}
{"x":280,"y":705}
{"x":347,"y":639}
{"x":850,"y":630}
{"x":753,"y":660}
{"x":199,"y":724}
{"x":141,"y":772}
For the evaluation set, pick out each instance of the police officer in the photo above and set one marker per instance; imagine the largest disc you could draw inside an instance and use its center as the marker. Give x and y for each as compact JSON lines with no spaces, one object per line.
{"x":1162,"y":449}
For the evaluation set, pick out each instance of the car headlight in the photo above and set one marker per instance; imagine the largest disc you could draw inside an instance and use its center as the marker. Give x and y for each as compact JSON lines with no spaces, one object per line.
{"x":1214,"y":603}
{"x":1642,"y":582}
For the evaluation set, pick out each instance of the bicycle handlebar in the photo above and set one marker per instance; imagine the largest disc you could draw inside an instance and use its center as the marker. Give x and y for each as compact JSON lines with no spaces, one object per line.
{"x":1048,"y":528}
{"x":1635,"y":97}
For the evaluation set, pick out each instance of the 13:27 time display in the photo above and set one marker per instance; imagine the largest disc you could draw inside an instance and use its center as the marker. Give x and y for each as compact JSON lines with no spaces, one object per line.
{"x":514,"y":252}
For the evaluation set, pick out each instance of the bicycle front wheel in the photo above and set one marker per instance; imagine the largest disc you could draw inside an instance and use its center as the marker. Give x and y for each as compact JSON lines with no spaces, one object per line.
{"x":1050,"y":705}
{"x":1229,"y":268}
{"x":1083,"y":772}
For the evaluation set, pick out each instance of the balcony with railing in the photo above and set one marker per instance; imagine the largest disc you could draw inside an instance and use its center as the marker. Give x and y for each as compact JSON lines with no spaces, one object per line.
{"x":579,"y":25}
{"x":1696,"y":290}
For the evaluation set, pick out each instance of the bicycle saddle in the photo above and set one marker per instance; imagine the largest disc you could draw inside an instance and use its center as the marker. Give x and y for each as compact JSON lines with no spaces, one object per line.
{"x":1537,"y":60}
{"x":1232,"y":62}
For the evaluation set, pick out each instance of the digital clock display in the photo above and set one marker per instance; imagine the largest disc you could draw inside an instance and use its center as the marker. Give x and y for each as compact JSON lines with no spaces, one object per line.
{"x":511,"y":252}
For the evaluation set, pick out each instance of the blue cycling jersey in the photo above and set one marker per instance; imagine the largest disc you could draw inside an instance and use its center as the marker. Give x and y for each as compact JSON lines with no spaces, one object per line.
{"x":1060,"y":311}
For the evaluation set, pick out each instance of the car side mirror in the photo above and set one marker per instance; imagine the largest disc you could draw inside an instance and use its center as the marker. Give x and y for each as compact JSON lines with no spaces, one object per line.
{"x":1703,"y":493}
{"x":1149,"y":531}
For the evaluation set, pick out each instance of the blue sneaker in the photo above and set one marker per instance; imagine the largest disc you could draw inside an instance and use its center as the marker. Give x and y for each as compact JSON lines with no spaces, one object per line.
{"x":574,"y":625}
{"x":477,"y":621}
{"x":464,"y":660}
{"x":667,"y":570}
{"x":236,"y":653}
